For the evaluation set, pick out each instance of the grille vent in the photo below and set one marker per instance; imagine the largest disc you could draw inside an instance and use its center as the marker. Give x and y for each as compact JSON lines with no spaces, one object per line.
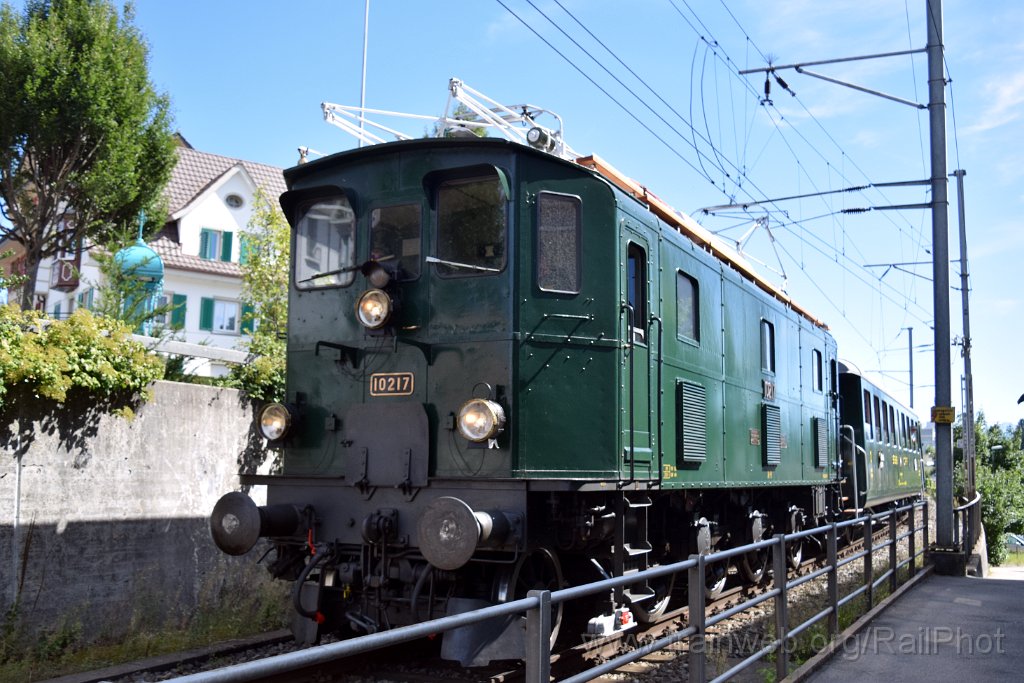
{"x":820,"y":443}
{"x":693,"y":421}
{"x":771,"y":427}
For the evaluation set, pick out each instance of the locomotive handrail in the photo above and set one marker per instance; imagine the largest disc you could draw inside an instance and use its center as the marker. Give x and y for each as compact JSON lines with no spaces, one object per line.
{"x":660,"y":394}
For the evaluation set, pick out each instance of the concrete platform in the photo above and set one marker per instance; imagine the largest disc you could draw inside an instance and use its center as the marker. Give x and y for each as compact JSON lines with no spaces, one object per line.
{"x":944,"y":629}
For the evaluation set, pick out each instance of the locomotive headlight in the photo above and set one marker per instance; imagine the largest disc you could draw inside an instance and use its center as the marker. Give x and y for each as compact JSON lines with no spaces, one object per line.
{"x":480,"y":419}
{"x":275,"y":419}
{"x":373,"y":309}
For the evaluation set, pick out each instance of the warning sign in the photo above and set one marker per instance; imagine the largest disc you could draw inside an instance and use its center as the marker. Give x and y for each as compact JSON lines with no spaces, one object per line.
{"x":943,"y":415}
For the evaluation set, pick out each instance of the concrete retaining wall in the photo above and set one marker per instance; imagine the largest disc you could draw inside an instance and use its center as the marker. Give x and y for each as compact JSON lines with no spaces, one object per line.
{"x":103,"y":519}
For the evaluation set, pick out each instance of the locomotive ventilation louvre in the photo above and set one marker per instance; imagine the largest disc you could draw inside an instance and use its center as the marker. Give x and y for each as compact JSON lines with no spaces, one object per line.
{"x":772,"y":428}
{"x":693,"y":421}
{"x":820,"y":442}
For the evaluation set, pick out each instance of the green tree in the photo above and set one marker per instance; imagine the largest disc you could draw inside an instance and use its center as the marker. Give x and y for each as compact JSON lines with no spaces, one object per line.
{"x":85,"y":139}
{"x":265,"y":248}
{"x":999,"y":478}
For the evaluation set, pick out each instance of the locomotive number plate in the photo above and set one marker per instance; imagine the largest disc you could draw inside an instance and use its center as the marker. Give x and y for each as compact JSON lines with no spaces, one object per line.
{"x":392,"y":384}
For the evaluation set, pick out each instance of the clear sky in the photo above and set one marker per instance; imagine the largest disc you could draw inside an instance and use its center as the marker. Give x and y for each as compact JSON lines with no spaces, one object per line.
{"x":663,"y":102}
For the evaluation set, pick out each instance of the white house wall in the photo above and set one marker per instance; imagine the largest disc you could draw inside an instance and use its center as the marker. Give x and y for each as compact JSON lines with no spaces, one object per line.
{"x":210,"y":210}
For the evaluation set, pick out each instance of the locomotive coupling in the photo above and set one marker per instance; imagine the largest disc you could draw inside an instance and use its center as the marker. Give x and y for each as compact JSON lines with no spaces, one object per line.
{"x":450,"y":531}
{"x":237,"y":522}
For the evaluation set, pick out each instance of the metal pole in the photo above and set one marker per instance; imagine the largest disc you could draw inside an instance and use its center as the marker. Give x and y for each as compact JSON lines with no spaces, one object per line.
{"x":538,"y":637}
{"x":910,"y":360}
{"x":362,"y":95}
{"x":968,"y":422}
{"x":940,"y":277}
{"x":695,"y":584}
{"x":781,"y":614}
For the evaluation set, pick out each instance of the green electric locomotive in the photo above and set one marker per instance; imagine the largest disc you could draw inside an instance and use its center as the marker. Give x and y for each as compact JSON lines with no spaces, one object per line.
{"x":508,"y":371}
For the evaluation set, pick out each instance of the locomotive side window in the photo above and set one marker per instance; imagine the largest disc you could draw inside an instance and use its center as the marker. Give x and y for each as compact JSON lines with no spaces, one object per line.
{"x":471,"y":226}
{"x":395,"y":238}
{"x":767,"y":346}
{"x":687,"y":307}
{"x":637,"y":293}
{"x":817,"y":377}
{"x":558,"y":243}
{"x":325,"y":245}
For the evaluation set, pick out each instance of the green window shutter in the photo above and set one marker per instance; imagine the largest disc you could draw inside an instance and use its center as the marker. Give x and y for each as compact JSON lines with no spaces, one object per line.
{"x":56,"y":312}
{"x":244,"y":245}
{"x":206,"y":314}
{"x":225,"y":246}
{"x":178,"y":312}
{"x":247,"y":319}
{"x":204,"y":243}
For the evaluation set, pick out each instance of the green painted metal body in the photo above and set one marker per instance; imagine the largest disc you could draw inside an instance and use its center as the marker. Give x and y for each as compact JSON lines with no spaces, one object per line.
{"x":586,"y":402}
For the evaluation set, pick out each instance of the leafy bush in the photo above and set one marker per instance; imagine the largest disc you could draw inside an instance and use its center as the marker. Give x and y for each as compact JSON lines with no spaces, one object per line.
{"x":46,"y":359}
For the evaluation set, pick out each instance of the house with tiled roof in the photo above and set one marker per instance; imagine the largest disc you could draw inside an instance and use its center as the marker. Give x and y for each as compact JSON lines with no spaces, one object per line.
{"x":209,"y":204}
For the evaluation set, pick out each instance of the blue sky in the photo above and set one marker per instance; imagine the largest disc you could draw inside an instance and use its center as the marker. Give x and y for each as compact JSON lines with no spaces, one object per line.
{"x":247,"y":80}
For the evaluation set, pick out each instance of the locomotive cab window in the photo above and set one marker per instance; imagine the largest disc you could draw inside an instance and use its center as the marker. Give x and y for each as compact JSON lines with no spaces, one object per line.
{"x":472,"y":221}
{"x":687,"y":307}
{"x":637,"y":293}
{"x":325,"y":245}
{"x":395,"y":239}
{"x":558,"y":243}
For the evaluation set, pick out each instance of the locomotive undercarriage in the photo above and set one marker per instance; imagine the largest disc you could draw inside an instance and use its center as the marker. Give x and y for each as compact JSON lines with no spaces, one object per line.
{"x":374,"y":574}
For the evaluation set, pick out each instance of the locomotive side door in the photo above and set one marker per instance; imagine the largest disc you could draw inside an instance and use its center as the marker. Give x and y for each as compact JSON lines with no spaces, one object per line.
{"x":638,"y":410}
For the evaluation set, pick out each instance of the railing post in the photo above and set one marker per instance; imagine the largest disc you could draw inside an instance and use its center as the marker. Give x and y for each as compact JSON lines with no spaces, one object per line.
{"x":781,"y":615}
{"x":832,"y":545}
{"x":892,"y":552}
{"x":927,"y":525}
{"x":912,"y":539}
{"x":869,"y":574}
{"x":538,"y":637}
{"x":696,"y":587}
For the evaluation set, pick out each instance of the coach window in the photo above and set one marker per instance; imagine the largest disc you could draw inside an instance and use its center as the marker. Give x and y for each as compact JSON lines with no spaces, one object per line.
{"x":868,"y":434}
{"x":472,"y":219}
{"x":325,"y":245}
{"x":892,"y":426}
{"x":395,"y":239}
{"x":767,"y":346}
{"x":817,"y":377}
{"x":637,"y":293}
{"x":558,"y":243}
{"x":687,"y":307}
{"x":879,"y":435}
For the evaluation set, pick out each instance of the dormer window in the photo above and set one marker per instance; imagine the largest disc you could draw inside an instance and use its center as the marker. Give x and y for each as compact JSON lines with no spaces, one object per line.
{"x":234,"y":201}
{"x":215,"y":245}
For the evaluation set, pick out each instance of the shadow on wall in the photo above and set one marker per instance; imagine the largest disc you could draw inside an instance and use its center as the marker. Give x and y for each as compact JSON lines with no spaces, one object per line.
{"x":104,"y":511}
{"x":73,"y":423}
{"x":108,"y":579}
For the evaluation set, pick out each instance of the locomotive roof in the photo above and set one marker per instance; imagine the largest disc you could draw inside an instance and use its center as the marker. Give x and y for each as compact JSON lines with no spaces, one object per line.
{"x":593,"y":164}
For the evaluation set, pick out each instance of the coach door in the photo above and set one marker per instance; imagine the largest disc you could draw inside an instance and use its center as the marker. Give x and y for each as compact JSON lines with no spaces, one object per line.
{"x":641,"y":338}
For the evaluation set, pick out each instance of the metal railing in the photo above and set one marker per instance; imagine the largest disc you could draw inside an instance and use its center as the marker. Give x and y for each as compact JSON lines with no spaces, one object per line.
{"x":967,"y":525}
{"x":538,"y":606}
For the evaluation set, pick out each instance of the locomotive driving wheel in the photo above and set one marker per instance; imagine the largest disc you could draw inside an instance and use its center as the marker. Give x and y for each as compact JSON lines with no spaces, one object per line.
{"x":794,"y":549}
{"x":754,"y":565}
{"x":536,"y":569}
